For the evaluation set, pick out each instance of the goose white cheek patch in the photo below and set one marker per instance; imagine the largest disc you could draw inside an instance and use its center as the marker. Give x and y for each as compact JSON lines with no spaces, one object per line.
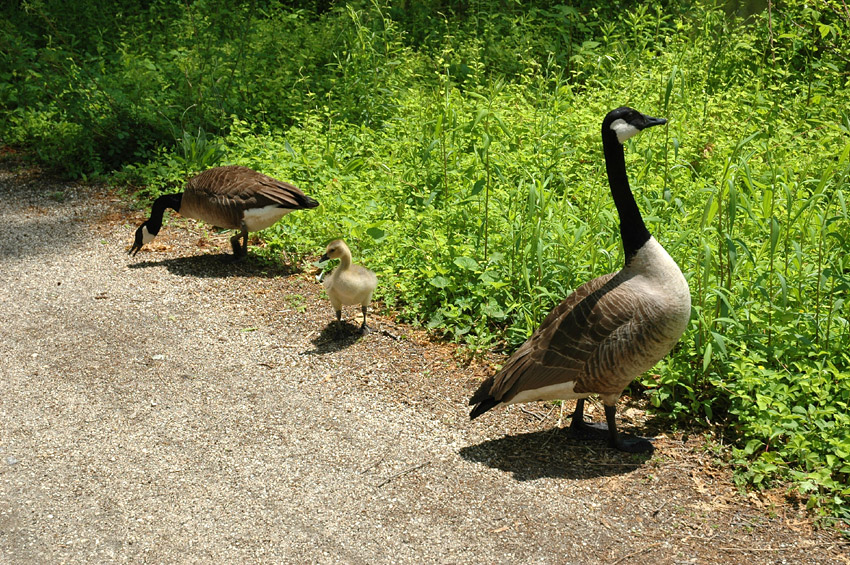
{"x":624,"y":130}
{"x":147,"y":236}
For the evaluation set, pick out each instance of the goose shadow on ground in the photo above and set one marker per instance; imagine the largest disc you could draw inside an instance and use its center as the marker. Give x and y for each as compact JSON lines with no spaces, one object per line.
{"x":218,"y":266}
{"x":553,"y":453}
{"x":336,"y":336}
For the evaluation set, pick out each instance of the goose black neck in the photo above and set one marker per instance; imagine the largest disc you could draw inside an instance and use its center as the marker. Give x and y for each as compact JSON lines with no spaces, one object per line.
{"x":632,"y":229}
{"x":162,"y":203}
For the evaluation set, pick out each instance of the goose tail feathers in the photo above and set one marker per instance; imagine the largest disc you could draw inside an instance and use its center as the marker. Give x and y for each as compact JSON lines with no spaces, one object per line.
{"x":482,"y":400}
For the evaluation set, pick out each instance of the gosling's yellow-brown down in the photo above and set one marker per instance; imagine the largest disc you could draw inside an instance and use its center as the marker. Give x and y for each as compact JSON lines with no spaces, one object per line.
{"x":348,"y":284}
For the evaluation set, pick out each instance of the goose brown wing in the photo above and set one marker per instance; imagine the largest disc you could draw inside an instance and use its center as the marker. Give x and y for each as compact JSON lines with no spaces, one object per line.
{"x":283,"y":194}
{"x":233,"y":189}
{"x":587,"y":325}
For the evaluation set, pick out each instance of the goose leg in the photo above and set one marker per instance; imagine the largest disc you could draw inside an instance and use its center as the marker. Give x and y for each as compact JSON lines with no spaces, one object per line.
{"x":588,"y":430}
{"x":585,"y":430}
{"x":617,"y":441}
{"x":240,"y":250}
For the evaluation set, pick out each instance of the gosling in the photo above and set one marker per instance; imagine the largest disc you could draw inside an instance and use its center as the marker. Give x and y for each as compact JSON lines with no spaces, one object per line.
{"x":348,"y":284}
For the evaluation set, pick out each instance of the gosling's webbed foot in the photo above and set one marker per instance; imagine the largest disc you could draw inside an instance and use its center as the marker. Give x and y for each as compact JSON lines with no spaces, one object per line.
{"x":364,"y":329}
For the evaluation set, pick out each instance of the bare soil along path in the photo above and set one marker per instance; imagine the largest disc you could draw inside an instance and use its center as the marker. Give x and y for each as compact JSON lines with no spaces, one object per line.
{"x":170,"y":408}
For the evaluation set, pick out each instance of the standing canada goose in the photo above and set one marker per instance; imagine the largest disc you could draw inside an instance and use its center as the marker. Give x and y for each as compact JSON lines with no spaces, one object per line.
{"x":348,"y":284}
{"x":230,"y":197}
{"x":611,"y":329}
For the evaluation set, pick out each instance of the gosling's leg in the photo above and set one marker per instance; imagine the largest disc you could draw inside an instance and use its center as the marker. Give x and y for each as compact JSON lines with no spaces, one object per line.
{"x":364,"y":329}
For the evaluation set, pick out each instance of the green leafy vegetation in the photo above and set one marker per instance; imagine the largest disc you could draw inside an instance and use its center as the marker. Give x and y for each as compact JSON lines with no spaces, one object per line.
{"x":455,"y":147}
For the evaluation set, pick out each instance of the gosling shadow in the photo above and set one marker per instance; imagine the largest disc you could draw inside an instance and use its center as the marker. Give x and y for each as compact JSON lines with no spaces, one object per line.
{"x":336,"y":336}
{"x":218,"y":266}
{"x":553,"y":453}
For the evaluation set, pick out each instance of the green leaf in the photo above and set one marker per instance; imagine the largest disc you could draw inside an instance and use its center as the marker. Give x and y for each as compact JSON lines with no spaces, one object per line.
{"x":376,"y":233}
{"x":483,"y":113}
{"x":354,"y":165}
{"x":706,"y":357}
{"x":477,"y":187}
{"x":752,"y":446}
{"x":466,"y":263}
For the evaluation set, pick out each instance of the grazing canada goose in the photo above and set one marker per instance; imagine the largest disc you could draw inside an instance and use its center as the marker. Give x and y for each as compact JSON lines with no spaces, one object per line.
{"x":611,"y":329}
{"x":348,"y":284}
{"x":230,"y":197}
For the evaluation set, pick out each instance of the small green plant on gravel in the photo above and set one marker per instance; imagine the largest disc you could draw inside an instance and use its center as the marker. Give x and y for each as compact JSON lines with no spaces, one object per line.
{"x":297,"y":302}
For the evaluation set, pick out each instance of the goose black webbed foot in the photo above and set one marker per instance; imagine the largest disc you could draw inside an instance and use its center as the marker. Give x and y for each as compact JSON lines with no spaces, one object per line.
{"x":582,"y":430}
{"x":632,"y":444}
{"x":239,"y":242}
{"x":591,"y":431}
{"x":231,"y":259}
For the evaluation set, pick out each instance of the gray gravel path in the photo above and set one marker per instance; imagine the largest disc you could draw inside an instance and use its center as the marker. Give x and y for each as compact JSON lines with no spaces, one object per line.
{"x":170,"y":409}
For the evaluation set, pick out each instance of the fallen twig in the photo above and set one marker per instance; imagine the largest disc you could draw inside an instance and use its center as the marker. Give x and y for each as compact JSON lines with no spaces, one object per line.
{"x":657,"y":510}
{"x":400,"y":473}
{"x":531,"y":413}
{"x":636,"y":553}
{"x":390,"y":335}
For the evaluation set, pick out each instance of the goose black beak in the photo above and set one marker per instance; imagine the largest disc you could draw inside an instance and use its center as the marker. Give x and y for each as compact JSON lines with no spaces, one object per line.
{"x":137,"y":244}
{"x":324,"y":258}
{"x":649,"y":121}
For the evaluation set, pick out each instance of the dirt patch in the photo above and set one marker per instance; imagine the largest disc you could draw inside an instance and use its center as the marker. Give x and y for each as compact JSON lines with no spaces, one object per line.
{"x":172,"y":408}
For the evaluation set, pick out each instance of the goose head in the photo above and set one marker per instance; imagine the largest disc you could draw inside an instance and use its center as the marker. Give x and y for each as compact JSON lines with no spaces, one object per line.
{"x":335,"y":250}
{"x":625,"y":122}
{"x":143,"y":236}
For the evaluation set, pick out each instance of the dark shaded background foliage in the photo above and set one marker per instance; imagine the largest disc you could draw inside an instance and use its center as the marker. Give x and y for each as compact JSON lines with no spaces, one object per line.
{"x":114,"y":80}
